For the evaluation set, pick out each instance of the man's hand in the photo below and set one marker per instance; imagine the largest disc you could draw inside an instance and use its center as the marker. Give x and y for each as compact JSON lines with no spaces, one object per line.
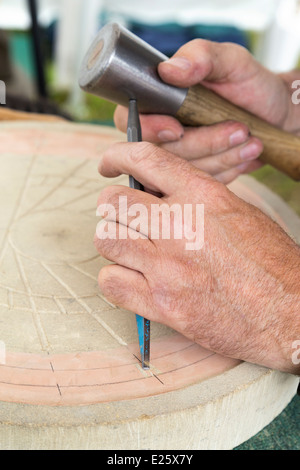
{"x":225,"y":150}
{"x":232,"y":72}
{"x":238,"y":295}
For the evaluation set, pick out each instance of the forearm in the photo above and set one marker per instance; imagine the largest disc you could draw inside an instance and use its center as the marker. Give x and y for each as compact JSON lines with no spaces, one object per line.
{"x":292,"y":82}
{"x":291,"y":323}
{"x":282,"y":303}
{"x":270,"y":304}
{"x":288,"y":326}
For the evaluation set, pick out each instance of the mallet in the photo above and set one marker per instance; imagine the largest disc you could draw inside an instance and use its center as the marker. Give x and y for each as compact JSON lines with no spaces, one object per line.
{"x":119,"y":66}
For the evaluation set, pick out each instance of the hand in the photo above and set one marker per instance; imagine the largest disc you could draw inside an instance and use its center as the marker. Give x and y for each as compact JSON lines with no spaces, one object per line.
{"x":232,"y":72}
{"x":238,"y":295}
{"x":225,"y":150}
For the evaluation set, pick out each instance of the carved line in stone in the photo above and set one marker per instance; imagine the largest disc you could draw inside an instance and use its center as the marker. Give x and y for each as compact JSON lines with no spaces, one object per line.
{"x":58,"y":186}
{"x":17,"y":208}
{"x":84,"y":305}
{"x":35,"y":313}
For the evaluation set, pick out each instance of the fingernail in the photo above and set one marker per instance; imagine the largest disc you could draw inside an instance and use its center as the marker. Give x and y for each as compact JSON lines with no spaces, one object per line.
{"x":238,"y":137}
{"x":179,"y":62}
{"x":250,"y":152}
{"x":167,"y":135}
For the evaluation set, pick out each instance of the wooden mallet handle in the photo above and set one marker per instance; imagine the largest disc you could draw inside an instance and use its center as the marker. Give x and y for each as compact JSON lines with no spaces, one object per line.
{"x":204,"y":107}
{"x":120,"y":66}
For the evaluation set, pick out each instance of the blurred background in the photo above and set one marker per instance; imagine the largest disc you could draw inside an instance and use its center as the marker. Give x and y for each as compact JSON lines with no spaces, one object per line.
{"x":42,"y":43}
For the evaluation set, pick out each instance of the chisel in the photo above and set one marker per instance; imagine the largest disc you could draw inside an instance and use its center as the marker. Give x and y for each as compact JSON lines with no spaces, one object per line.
{"x":134,"y":134}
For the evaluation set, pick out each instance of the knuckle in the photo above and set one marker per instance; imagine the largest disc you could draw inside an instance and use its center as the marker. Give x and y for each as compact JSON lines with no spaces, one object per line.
{"x":113,"y":288}
{"x":165,"y":287}
{"x":235,"y":126}
{"x":108,"y":247}
{"x":228,"y":160}
{"x":205,"y":55}
{"x":224,"y":202}
{"x":105,"y":279}
{"x":107,"y":283}
{"x":112,"y":194}
{"x":203,"y":45}
{"x":200,"y":179}
{"x":164,"y":301}
{"x":241,"y":53}
{"x":106,"y":195}
{"x":150,"y":156}
{"x":216,"y":193}
{"x":109,"y":195}
{"x":141,"y":151}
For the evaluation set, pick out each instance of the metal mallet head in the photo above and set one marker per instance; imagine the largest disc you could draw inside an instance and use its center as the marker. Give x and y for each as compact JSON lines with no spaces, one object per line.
{"x":120,"y":66}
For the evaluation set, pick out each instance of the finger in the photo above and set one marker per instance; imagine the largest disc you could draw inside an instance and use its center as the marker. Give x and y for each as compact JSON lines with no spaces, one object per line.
{"x":230,"y":175}
{"x":126,"y":288}
{"x":167,"y":131}
{"x":127,"y":207}
{"x":153,"y":167}
{"x":230,"y":159}
{"x":111,"y":195}
{"x":200,"y":60}
{"x":155,"y":128}
{"x":142,"y":213}
{"x":124,"y":246}
{"x":199,"y":142}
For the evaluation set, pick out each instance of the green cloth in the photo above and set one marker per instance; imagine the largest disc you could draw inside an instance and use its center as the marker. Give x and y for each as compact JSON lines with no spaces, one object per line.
{"x":282,"y":434}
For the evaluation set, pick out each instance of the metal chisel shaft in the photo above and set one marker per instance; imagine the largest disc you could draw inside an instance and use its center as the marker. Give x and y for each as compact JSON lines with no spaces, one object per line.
{"x":134,"y":134}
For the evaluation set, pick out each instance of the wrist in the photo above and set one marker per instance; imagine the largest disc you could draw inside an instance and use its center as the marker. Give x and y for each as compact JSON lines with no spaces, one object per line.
{"x":289,"y":330}
{"x":278,"y":334}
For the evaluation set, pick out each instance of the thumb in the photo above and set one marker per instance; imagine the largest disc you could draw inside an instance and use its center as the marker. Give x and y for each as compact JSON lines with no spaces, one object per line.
{"x":200,"y":60}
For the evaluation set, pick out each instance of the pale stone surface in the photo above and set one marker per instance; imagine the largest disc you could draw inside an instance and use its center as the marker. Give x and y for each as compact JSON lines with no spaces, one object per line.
{"x":72,"y":355}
